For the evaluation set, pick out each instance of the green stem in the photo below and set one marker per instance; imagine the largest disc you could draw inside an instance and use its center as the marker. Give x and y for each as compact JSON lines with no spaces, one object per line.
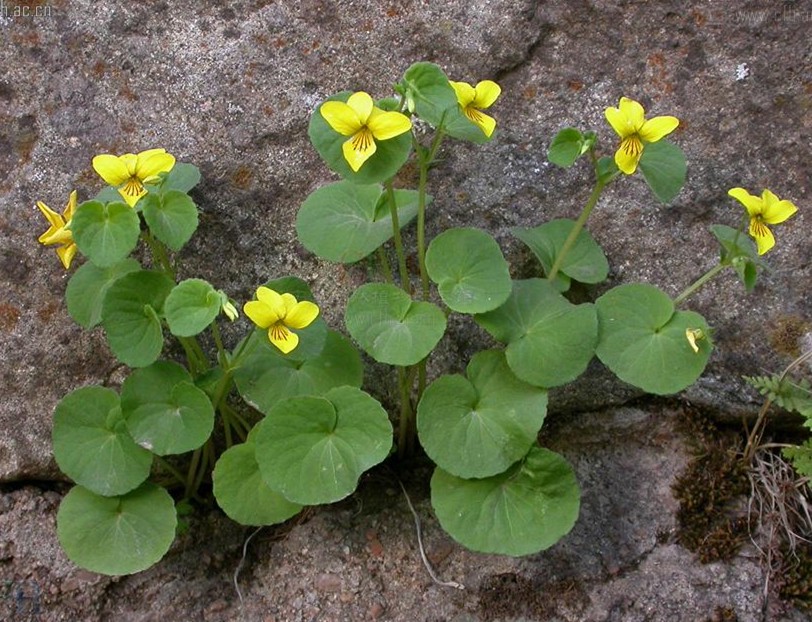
{"x":393,"y":210}
{"x":576,"y":230}
{"x":159,"y":254}
{"x":175,"y":473}
{"x":405,"y":426}
{"x":693,"y":287}
{"x":385,"y":267}
{"x":190,"y":477}
{"x":425,"y":159}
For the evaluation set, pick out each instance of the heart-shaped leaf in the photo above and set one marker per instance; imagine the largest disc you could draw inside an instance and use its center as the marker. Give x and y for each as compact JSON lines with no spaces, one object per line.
{"x":116,"y":535}
{"x":471,"y":274}
{"x":165,"y":412}
{"x":191,"y":306}
{"x":243,"y":494}
{"x":171,"y":216}
{"x":550,"y":340}
{"x":92,"y":445}
{"x":526,"y":509}
{"x":663,"y":167}
{"x":479,"y":426}
{"x":427,"y":86}
{"x":345,"y":222}
{"x":266,"y":376}
{"x":314,"y":449}
{"x":643,"y":339}
{"x":131,"y":316}
{"x":390,"y":326}
{"x":105,"y":234}
{"x":87,"y":287}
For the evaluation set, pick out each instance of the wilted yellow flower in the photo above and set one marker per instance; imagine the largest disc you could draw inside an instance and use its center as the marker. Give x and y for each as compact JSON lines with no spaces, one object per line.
{"x":474,"y":100}
{"x":364,"y":123}
{"x":693,"y":335}
{"x":279,"y":313}
{"x":59,"y":231}
{"x":629,"y":121}
{"x":765,"y":210}
{"x":130,"y":172}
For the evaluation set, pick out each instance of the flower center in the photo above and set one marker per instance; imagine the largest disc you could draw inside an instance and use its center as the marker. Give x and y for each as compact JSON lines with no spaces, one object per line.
{"x":133,"y":187}
{"x":362,"y":139}
{"x":758,"y":228}
{"x":632,"y":146}
{"x":280,"y":332}
{"x":473,"y":114}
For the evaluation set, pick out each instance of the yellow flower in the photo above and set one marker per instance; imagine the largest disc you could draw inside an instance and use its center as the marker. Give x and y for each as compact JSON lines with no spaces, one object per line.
{"x":767,"y":210}
{"x":279,"y":313}
{"x":364,"y":123}
{"x":693,"y":335}
{"x":629,"y":121}
{"x":59,"y":231}
{"x":475,"y":99}
{"x":132,"y":171}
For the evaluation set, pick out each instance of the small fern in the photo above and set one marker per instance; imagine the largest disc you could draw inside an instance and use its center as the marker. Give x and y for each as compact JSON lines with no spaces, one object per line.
{"x":788,"y":393}
{"x":801,"y":458}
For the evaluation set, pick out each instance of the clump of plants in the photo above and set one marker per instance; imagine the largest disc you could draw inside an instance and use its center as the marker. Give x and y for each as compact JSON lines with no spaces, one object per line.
{"x":495,"y":488}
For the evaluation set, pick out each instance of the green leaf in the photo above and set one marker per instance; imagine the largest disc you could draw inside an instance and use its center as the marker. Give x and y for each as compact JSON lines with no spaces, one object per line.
{"x":171,"y":216}
{"x":606,"y":169}
{"x":108,"y":194}
{"x":524,"y":510}
{"x":165,"y":412}
{"x":92,"y":445}
{"x":182,"y":177}
{"x":389,"y":156}
{"x":130,"y":316}
{"x":266,"y":376}
{"x":569,"y":145}
{"x":105,"y":234}
{"x":471,"y":273}
{"x":550,"y":340}
{"x":457,"y":125}
{"x":801,"y":458}
{"x":479,"y":426}
{"x":663,"y":167}
{"x":116,"y":535}
{"x":390,"y":326}
{"x":789,"y":393}
{"x":88,"y":286}
{"x":585,"y":261}
{"x":427,"y":86}
{"x":642,"y":339}
{"x":191,"y":306}
{"x":314,"y":449}
{"x":738,"y":250}
{"x":345,"y":222}
{"x":243,"y":494}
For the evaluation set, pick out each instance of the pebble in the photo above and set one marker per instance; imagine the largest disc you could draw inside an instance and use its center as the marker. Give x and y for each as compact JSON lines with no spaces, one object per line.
{"x":328,"y":582}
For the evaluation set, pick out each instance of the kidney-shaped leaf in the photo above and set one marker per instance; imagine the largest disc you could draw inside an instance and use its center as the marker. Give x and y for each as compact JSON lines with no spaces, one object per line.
{"x":92,"y":445}
{"x":390,"y":326}
{"x":105,"y":234}
{"x":345,"y":222}
{"x":479,"y":426}
{"x":471,"y":274}
{"x":643,"y":339}
{"x":427,"y":86}
{"x":550,"y":340}
{"x":165,"y":412}
{"x":314,"y":449}
{"x":116,"y":535}
{"x":87,"y":287}
{"x":526,"y":509}
{"x":191,"y":306}
{"x":243,"y":494}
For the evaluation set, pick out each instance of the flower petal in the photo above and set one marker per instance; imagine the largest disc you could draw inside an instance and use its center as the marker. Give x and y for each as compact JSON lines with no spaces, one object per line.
{"x":484,"y":122}
{"x":633,"y":111}
{"x":753,"y":205}
{"x":260,"y":314}
{"x":775,"y":210}
{"x":111,"y":169}
{"x":627,"y":160}
{"x":619,"y":122}
{"x":657,"y":128}
{"x":487,"y":92}
{"x":465,"y":92}
{"x":362,"y":104}
{"x":66,"y":254}
{"x":340,"y":117}
{"x":386,"y":125}
{"x":132,"y":196}
{"x":282,"y":338}
{"x":302,"y":315}
{"x":152,"y":162}
{"x":762,"y":235}
{"x":56,"y":221}
{"x":359,"y":149}
{"x":273,"y":299}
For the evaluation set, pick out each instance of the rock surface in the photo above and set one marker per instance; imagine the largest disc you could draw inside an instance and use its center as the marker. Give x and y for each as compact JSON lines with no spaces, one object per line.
{"x":230,"y":89}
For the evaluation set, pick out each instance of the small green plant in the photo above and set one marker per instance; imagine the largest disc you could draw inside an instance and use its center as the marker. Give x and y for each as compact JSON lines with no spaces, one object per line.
{"x":304,"y":431}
